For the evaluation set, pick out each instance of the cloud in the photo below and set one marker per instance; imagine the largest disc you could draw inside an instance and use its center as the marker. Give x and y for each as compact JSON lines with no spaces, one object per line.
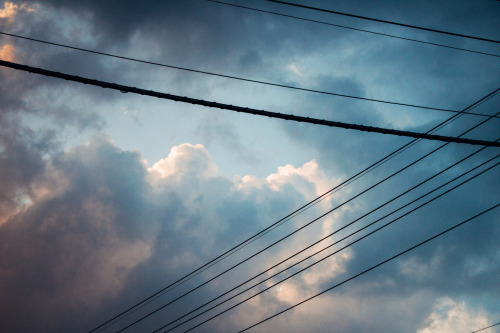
{"x":310,"y":173}
{"x":451,"y":316}
{"x":97,"y":213}
{"x":22,"y":154}
{"x":186,"y":159}
{"x":295,"y":70}
{"x":78,"y":240}
{"x":9,"y":11}
{"x":8,"y":53}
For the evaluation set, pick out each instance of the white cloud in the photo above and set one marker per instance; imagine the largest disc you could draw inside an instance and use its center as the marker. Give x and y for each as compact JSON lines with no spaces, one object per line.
{"x":186,"y":159}
{"x":450,"y":316}
{"x":309,"y":179}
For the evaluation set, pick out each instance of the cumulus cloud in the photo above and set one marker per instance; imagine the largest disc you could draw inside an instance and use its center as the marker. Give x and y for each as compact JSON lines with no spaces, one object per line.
{"x":98,"y":212}
{"x":186,"y":159}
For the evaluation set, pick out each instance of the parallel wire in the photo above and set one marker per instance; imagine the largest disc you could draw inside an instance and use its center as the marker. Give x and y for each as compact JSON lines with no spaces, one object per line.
{"x":385,"y":21}
{"x":301,"y":228}
{"x":296,"y":87}
{"x":355,"y":29}
{"x":240,"y":109}
{"x":362,"y":216}
{"x":482,"y":329}
{"x":362,"y":173}
{"x":324,"y":238}
{"x":236,"y":248}
{"x":335,"y":252}
{"x":235,"y":77}
{"x":371,"y":268}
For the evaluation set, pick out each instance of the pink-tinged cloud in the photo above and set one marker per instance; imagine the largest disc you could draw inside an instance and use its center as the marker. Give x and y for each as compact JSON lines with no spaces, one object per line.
{"x":8,"y":52}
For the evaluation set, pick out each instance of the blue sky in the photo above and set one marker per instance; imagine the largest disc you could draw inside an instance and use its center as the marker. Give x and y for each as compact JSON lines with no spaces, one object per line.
{"x":106,"y":197}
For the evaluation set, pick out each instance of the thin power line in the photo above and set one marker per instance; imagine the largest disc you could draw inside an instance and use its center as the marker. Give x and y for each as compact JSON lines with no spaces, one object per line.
{"x":292,"y":233}
{"x":385,"y":21}
{"x":326,"y":257}
{"x":371,"y":268}
{"x":482,"y":329}
{"x":355,"y":29}
{"x":321,"y":240}
{"x":233,"y":77}
{"x":236,"y":248}
{"x":315,"y":121}
{"x":309,"y":223}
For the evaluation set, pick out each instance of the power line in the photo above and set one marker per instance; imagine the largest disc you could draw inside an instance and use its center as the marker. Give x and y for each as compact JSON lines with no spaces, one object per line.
{"x":315,"y":121}
{"x":369,"y":99}
{"x":328,"y":256}
{"x":251,"y":239}
{"x":482,"y":329}
{"x":293,"y":232}
{"x":385,"y":21}
{"x":373,"y":267}
{"x":318,"y":218}
{"x":324,"y":238}
{"x":265,"y":230}
{"x":235,"y":77}
{"x":355,"y":29}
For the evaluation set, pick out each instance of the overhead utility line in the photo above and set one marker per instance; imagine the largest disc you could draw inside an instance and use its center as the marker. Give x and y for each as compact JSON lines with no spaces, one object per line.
{"x":236,"y":77}
{"x":355,"y":29}
{"x":270,"y":269}
{"x":482,"y":329}
{"x":373,"y":267}
{"x":385,"y":21}
{"x":315,"y":121}
{"x":295,"y":231}
{"x":244,"y":243}
{"x":268,"y":287}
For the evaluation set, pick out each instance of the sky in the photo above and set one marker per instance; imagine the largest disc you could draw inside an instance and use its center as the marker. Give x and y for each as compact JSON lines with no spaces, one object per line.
{"x":107,"y":197}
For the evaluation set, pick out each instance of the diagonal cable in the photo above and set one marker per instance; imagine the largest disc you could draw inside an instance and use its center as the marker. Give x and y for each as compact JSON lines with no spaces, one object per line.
{"x":240,"y":109}
{"x":385,"y":21}
{"x":326,"y":237}
{"x":326,"y":257}
{"x":217,"y":259}
{"x":373,"y":267}
{"x":296,"y":231}
{"x":484,"y":328}
{"x":279,"y":85}
{"x":355,"y":29}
